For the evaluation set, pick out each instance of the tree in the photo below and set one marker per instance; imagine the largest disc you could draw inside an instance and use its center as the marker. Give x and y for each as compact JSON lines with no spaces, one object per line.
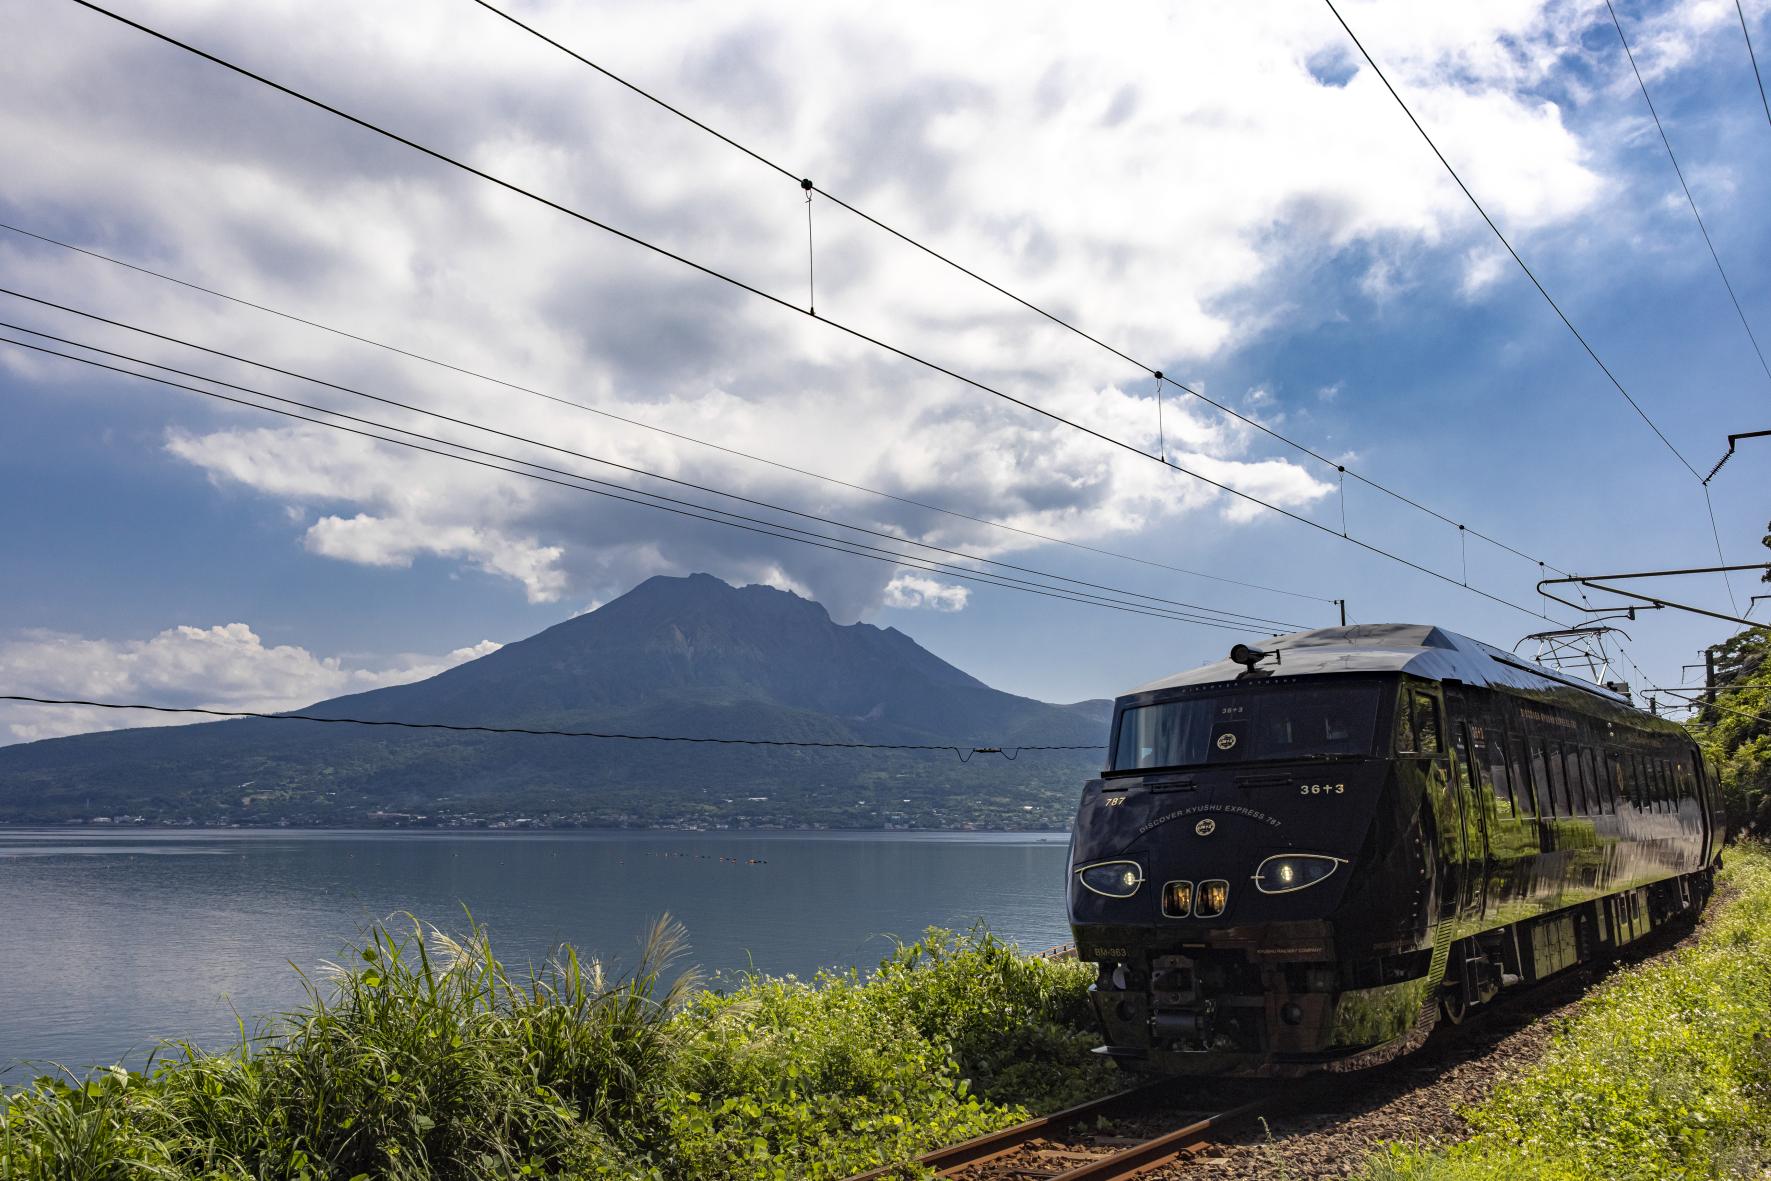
{"x":1735,"y":729}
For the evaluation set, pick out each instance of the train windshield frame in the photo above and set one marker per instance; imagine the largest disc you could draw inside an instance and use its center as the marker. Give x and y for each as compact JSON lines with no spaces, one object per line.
{"x":1254,"y":722}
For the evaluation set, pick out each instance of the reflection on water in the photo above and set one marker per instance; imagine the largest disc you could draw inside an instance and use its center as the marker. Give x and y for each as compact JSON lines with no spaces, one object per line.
{"x":109,"y":940}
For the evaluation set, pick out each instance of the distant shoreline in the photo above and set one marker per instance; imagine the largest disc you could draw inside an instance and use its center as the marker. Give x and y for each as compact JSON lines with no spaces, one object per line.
{"x":424,"y":830}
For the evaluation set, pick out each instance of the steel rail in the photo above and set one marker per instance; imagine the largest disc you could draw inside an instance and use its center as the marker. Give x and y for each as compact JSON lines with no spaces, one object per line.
{"x":1128,"y":1162}
{"x":993,"y":1144}
{"x":1159,"y":1151}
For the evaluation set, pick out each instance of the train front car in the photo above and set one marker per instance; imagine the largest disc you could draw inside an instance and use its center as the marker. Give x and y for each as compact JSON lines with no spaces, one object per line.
{"x":1295,"y":854}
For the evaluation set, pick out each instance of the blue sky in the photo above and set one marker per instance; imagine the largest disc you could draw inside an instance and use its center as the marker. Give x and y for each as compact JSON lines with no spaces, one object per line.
{"x":1243,"y":206}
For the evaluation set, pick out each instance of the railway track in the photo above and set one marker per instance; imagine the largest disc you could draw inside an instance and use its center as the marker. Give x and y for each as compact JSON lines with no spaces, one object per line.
{"x":1132,"y":1132}
{"x":1118,"y":1136}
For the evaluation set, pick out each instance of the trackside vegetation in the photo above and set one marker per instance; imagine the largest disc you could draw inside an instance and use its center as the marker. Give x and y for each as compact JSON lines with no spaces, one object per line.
{"x":425,"y":1057}
{"x":1663,"y":1072}
{"x":1733,"y":724}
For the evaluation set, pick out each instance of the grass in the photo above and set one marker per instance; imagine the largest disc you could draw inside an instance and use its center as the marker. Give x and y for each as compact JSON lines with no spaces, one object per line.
{"x":422,"y":1057}
{"x":1663,"y":1072}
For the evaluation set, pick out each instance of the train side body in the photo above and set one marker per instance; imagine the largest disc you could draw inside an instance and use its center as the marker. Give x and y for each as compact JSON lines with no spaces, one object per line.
{"x":1389,"y":824}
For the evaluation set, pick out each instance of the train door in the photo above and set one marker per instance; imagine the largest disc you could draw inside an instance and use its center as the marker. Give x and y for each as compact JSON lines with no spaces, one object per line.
{"x":1429,"y":742}
{"x":1466,"y":808}
{"x":1475,"y":798}
{"x":1709,"y":805}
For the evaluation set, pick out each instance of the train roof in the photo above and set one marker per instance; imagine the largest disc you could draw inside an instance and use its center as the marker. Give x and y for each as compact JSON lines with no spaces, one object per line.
{"x":1420,"y":650}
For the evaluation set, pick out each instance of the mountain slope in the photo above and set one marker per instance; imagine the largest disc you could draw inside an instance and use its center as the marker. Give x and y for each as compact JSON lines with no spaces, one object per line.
{"x":674,"y":656}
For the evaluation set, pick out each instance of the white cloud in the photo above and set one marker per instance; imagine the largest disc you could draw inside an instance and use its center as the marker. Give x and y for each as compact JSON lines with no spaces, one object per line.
{"x":911,"y":591}
{"x":1482,"y":266}
{"x":379,"y":541}
{"x":227,"y":666}
{"x":1166,"y":212}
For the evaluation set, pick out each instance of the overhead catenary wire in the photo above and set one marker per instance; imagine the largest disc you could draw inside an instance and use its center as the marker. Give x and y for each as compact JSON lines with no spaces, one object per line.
{"x":1529,"y":273}
{"x":653,"y":427}
{"x":1681,"y":694}
{"x":964,"y":752}
{"x":1708,"y":504}
{"x":946,"y":260}
{"x":581,"y":483}
{"x":1754,"y":58}
{"x":1694,"y":699}
{"x":1716,"y":533}
{"x":1689,"y":199}
{"x":1230,"y":617}
{"x":855,"y":333}
{"x":1543,"y":291}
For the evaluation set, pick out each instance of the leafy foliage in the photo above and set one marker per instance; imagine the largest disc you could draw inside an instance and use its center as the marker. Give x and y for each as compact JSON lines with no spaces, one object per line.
{"x":1735,"y":731}
{"x":423,"y":1058}
{"x":1664,"y":1073}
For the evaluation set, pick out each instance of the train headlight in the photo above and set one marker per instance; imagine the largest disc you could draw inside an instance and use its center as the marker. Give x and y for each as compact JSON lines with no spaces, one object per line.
{"x":1285,"y":872}
{"x":1114,"y":879}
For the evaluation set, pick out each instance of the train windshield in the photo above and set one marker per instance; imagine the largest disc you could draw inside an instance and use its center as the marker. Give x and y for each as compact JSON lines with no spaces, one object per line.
{"x":1256,"y":722}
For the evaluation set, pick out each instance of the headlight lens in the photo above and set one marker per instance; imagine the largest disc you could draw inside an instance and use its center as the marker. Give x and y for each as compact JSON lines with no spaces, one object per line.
{"x":1286,"y":872}
{"x":1115,"y":879}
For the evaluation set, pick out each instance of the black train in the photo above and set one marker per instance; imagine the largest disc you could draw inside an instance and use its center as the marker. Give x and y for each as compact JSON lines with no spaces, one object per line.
{"x":1304,"y":858}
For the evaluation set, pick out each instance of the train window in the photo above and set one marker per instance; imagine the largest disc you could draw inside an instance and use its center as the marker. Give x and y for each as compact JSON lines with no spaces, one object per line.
{"x":1666,"y":786}
{"x":1404,"y":725}
{"x":1540,"y":776}
{"x":1589,"y":783}
{"x":1605,"y":776}
{"x":1499,"y":777}
{"x":1253,"y":722}
{"x":1475,"y":759}
{"x":1426,"y":723}
{"x":1559,"y":787}
{"x":1579,"y":799}
{"x":1520,"y":769}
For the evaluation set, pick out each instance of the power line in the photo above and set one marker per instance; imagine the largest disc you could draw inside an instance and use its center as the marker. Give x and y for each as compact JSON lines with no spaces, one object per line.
{"x":946,"y":260}
{"x":787,"y":467}
{"x":1708,"y":506}
{"x":1689,"y":199}
{"x":1529,"y":274}
{"x":1716,"y":533}
{"x":787,"y":305}
{"x":1754,"y":58}
{"x":1684,"y":694}
{"x":1687,"y":695}
{"x":651,"y":499}
{"x":1234,"y":617}
{"x":964,"y":753}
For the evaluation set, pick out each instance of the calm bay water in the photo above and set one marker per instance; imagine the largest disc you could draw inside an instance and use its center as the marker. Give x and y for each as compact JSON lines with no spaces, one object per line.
{"x":110,"y":939}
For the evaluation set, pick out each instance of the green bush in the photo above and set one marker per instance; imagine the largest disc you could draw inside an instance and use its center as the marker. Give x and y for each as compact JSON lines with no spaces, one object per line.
{"x":1663,"y":1073}
{"x":952,"y":1037}
{"x":1735,"y":732}
{"x":423,"y":1058}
